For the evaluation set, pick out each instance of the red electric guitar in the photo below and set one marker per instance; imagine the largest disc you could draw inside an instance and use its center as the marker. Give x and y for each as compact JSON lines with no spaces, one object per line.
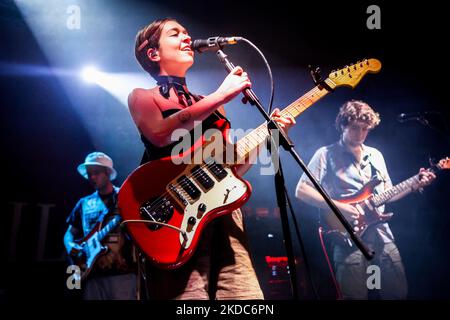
{"x":366,"y":202}
{"x":167,"y":205}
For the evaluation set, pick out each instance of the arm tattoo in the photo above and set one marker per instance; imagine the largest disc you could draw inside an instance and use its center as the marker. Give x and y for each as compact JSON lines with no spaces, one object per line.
{"x":184,"y":116}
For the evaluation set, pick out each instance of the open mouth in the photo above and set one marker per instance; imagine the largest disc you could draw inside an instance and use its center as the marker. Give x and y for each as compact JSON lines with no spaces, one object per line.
{"x":187,"y":48}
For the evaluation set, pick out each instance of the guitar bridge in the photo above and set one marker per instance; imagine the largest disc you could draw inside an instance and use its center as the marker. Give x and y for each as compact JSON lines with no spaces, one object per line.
{"x":158,"y":210}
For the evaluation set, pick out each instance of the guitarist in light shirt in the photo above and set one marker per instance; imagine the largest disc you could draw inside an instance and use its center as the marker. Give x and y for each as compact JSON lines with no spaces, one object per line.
{"x":111,"y":276}
{"x":343,"y":169}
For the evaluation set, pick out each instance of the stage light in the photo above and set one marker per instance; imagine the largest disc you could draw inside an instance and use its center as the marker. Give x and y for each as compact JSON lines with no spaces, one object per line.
{"x":90,"y":74}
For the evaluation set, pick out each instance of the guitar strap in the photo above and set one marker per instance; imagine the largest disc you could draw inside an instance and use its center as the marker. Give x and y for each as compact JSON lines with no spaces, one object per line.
{"x":112,"y":207}
{"x":376,"y":173}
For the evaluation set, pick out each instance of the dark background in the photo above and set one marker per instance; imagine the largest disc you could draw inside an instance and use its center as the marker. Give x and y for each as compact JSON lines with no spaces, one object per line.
{"x":51,"y":120}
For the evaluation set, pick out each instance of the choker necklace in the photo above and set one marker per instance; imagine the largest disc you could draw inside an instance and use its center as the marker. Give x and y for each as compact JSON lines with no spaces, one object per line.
{"x":171,"y":79}
{"x":168,"y":82}
{"x":178,"y":83}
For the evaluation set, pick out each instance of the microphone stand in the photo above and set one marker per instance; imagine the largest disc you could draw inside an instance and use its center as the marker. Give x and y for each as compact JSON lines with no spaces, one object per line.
{"x":287,"y":144}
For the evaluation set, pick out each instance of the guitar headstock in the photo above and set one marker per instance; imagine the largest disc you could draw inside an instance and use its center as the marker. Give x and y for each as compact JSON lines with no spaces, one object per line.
{"x":351,"y":75}
{"x":444,"y":164}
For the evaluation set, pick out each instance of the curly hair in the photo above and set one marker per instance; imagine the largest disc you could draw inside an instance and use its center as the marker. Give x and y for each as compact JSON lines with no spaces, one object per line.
{"x":146,"y":38}
{"x":356,"y":110}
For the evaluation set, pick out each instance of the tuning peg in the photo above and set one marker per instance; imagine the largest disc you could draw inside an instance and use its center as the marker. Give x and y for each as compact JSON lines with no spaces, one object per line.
{"x":432,"y":161}
{"x":315,"y":74}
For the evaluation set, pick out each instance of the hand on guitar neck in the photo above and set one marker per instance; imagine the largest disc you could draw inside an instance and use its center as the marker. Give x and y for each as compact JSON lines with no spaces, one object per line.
{"x":76,"y":249}
{"x":426,"y":178}
{"x":284,"y":121}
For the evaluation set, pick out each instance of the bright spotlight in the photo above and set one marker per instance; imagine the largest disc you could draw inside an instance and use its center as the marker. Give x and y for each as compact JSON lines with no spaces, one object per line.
{"x":91,"y":74}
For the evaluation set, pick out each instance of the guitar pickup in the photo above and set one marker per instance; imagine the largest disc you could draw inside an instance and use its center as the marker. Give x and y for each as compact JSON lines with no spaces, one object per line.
{"x":189,"y":187}
{"x":202,"y":177}
{"x":217,"y":170}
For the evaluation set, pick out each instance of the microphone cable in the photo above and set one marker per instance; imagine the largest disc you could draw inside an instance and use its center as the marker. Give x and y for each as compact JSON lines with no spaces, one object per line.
{"x":269,"y":70}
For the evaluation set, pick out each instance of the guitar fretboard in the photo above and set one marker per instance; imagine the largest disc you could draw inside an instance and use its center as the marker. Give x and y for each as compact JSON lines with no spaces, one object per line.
{"x":407,"y":185}
{"x":109,"y":226}
{"x":259,"y":135}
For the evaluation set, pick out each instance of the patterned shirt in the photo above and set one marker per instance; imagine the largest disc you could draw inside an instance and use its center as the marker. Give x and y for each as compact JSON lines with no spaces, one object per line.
{"x":90,"y":210}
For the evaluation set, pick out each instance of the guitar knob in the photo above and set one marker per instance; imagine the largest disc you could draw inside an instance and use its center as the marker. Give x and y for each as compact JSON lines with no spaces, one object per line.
{"x":202,"y":207}
{"x":356,"y":229}
{"x":355,"y":222}
{"x":192,"y":221}
{"x":201,"y":210}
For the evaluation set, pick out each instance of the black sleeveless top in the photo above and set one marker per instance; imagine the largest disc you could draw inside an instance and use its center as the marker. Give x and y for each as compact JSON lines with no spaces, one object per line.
{"x":215,"y":120}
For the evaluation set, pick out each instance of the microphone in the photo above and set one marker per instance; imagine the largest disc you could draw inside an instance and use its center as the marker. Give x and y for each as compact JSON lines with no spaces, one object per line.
{"x":213,"y":43}
{"x":419,"y":116}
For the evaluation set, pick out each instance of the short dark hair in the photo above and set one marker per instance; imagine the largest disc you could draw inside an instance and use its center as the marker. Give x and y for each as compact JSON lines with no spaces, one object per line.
{"x":356,"y":110}
{"x":148,"y":37}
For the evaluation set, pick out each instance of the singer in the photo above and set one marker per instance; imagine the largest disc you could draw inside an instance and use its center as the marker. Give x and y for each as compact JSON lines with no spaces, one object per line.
{"x":221,"y":267}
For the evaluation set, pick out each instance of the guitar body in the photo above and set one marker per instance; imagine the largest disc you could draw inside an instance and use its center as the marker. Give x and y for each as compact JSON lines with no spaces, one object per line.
{"x":183,"y":193}
{"x":92,"y":249}
{"x":146,"y":193}
{"x":369,"y":214}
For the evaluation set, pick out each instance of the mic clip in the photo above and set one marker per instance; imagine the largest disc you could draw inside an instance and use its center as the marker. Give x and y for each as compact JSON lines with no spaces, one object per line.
{"x":317,"y":78}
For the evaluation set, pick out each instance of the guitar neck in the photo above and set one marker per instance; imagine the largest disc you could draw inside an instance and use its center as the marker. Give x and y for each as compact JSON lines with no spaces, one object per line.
{"x":247,"y":144}
{"x":109,"y":226}
{"x":405,"y":186}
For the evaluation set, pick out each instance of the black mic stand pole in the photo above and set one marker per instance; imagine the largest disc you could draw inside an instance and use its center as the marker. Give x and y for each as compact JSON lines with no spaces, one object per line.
{"x":288,"y":146}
